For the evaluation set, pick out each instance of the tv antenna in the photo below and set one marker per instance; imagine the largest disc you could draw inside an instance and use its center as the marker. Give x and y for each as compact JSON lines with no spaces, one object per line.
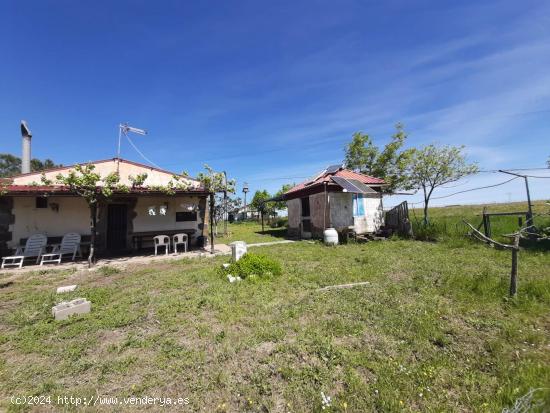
{"x":124,"y":129}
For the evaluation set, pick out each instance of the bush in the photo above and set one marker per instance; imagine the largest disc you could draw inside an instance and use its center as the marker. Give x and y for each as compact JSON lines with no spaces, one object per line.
{"x":279,"y":222}
{"x":254,"y":265}
{"x":427,"y":232}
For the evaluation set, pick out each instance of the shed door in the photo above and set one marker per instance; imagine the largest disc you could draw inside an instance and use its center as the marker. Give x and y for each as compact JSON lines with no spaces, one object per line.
{"x":306,"y":217}
{"x":116,"y":227}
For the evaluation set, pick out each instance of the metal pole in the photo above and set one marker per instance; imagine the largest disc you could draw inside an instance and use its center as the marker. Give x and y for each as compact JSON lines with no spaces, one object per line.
{"x":225,"y":204}
{"x":530,"y":217}
{"x":529,"y":221}
{"x":325,"y":207}
{"x":212,"y":205}
{"x":118,"y":149}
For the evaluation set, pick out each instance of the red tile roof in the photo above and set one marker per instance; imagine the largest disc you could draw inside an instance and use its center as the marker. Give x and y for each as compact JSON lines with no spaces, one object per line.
{"x":22,"y":189}
{"x":344,"y":173}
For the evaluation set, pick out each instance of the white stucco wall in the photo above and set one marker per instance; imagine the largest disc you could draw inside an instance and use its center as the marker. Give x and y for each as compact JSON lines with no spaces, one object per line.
{"x":145,"y":222}
{"x":73,"y":216}
{"x":374,"y":215}
{"x":341,"y":212}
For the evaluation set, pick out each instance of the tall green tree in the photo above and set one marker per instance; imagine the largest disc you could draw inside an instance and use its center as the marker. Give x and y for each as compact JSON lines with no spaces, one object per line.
{"x":259,"y":203}
{"x":215,"y":182}
{"x":388,"y":163}
{"x":281,"y":204}
{"x":433,"y":166}
{"x":10,"y":165}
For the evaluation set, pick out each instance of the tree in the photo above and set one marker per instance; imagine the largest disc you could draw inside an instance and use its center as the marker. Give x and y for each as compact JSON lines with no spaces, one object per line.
{"x":431,"y":167}
{"x":281,"y":204}
{"x":10,"y":165}
{"x":224,"y":205}
{"x":389,"y":163}
{"x":259,"y":204}
{"x":264,"y":208}
{"x":85,"y":182}
{"x":215,"y":182}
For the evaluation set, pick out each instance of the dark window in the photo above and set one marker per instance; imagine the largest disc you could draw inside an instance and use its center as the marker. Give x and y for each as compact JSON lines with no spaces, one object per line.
{"x":186,"y":216}
{"x":305,"y":206}
{"x":41,"y":202}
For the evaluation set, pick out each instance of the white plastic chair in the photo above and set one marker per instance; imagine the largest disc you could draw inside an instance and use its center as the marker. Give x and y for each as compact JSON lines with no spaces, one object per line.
{"x":34,"y":247}
{"x":162,"y":241}
{"x":70,"y":244}
{"x":179,"y":239}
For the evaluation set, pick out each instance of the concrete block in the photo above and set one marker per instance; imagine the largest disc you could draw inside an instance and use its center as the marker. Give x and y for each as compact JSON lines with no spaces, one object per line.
{"x":238,"y":249}
{"x":63,"y":310}
{"x":66,"y":289}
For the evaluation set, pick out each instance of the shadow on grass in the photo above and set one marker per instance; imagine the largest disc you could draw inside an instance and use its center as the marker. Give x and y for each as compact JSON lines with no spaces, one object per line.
{"x":274,"y":232}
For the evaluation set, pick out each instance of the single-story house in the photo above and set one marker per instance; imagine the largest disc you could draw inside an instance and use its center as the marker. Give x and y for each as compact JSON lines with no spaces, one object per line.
{"x":335,"y":198}
{"x":126,"y":221}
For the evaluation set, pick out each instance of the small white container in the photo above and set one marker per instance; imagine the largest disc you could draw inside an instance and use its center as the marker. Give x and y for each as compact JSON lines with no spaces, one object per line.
{"x":330,"y":236}
{"x":238,"y":249}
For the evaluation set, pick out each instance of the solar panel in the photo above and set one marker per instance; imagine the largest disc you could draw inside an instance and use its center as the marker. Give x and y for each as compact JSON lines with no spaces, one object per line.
{"x":315,"y":177}
{"x":353,"y":185}
{"x":364,"y":188}
{"x":333,"y":168}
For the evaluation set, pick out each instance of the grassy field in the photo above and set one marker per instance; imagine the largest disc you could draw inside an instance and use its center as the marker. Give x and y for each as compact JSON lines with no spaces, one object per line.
{"x":448,"y":220}
{"x":433,"y":331}
{"x":251,"y":232}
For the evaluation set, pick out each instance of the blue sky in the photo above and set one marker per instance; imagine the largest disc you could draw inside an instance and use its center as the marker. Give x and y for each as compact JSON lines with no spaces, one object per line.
{"x":274,"y":90}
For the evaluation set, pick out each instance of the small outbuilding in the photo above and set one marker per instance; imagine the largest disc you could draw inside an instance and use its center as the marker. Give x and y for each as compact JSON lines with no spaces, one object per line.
{"x":335,"y":198}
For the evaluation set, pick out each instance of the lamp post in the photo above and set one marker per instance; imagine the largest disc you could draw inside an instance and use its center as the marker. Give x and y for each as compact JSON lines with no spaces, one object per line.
{"x":225,"y":203}
{"x":245,"y":190}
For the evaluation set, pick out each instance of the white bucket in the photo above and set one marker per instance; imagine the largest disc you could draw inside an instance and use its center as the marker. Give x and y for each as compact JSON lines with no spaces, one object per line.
{"x":330,"y":236}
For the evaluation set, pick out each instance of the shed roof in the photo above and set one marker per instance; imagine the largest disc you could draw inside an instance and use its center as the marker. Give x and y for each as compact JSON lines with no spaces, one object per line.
{"x":326,"y":177}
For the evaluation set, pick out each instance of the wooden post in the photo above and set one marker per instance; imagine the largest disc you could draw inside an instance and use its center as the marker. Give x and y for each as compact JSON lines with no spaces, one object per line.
{"x":514,"y":271}
{"x":262,"y":214}
{"x":485,"y":224}
{"x":93,"y":225}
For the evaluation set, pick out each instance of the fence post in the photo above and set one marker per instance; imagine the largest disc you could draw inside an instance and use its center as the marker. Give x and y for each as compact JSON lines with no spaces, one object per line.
{"x":514,"y":271}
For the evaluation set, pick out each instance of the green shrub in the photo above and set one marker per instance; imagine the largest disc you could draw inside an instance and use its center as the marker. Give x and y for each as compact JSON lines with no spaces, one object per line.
{"x":254,"y":265}
{"x":279,"y":222}
{"x":427,"y":232}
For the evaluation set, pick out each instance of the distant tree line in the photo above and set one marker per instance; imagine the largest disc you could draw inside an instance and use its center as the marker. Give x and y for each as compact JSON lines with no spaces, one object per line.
{"x":10,"y":165}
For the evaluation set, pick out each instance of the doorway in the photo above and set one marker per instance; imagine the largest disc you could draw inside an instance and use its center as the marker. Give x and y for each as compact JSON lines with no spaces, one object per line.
{"x":117,"y":226}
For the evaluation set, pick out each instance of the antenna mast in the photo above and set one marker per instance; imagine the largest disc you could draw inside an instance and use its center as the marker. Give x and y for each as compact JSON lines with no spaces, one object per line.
{"x":124,"y":128}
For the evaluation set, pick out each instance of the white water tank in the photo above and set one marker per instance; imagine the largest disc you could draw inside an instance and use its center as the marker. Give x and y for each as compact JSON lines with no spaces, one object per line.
{"x":330,"y":236}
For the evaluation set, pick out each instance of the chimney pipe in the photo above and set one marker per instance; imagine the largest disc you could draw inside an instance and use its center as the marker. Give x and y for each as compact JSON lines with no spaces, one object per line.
{"x":26,"y":155}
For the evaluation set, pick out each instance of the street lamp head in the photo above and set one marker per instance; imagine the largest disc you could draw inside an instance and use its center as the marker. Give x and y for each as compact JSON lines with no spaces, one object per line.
{"x":245,"y":187}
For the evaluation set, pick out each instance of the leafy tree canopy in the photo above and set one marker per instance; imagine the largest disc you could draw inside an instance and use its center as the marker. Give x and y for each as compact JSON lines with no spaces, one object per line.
{"x":389,"y":163}
{"x":10,"y":165}
{"x":281,"y":204}
{"x":259,"y":204}
{"x":433,"y":166}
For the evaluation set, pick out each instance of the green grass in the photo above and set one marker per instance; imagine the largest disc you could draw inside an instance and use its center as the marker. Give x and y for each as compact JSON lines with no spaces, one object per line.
{"x":251,"y":232}
{"x":433,"y":331}
{"x":447,"y":221}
